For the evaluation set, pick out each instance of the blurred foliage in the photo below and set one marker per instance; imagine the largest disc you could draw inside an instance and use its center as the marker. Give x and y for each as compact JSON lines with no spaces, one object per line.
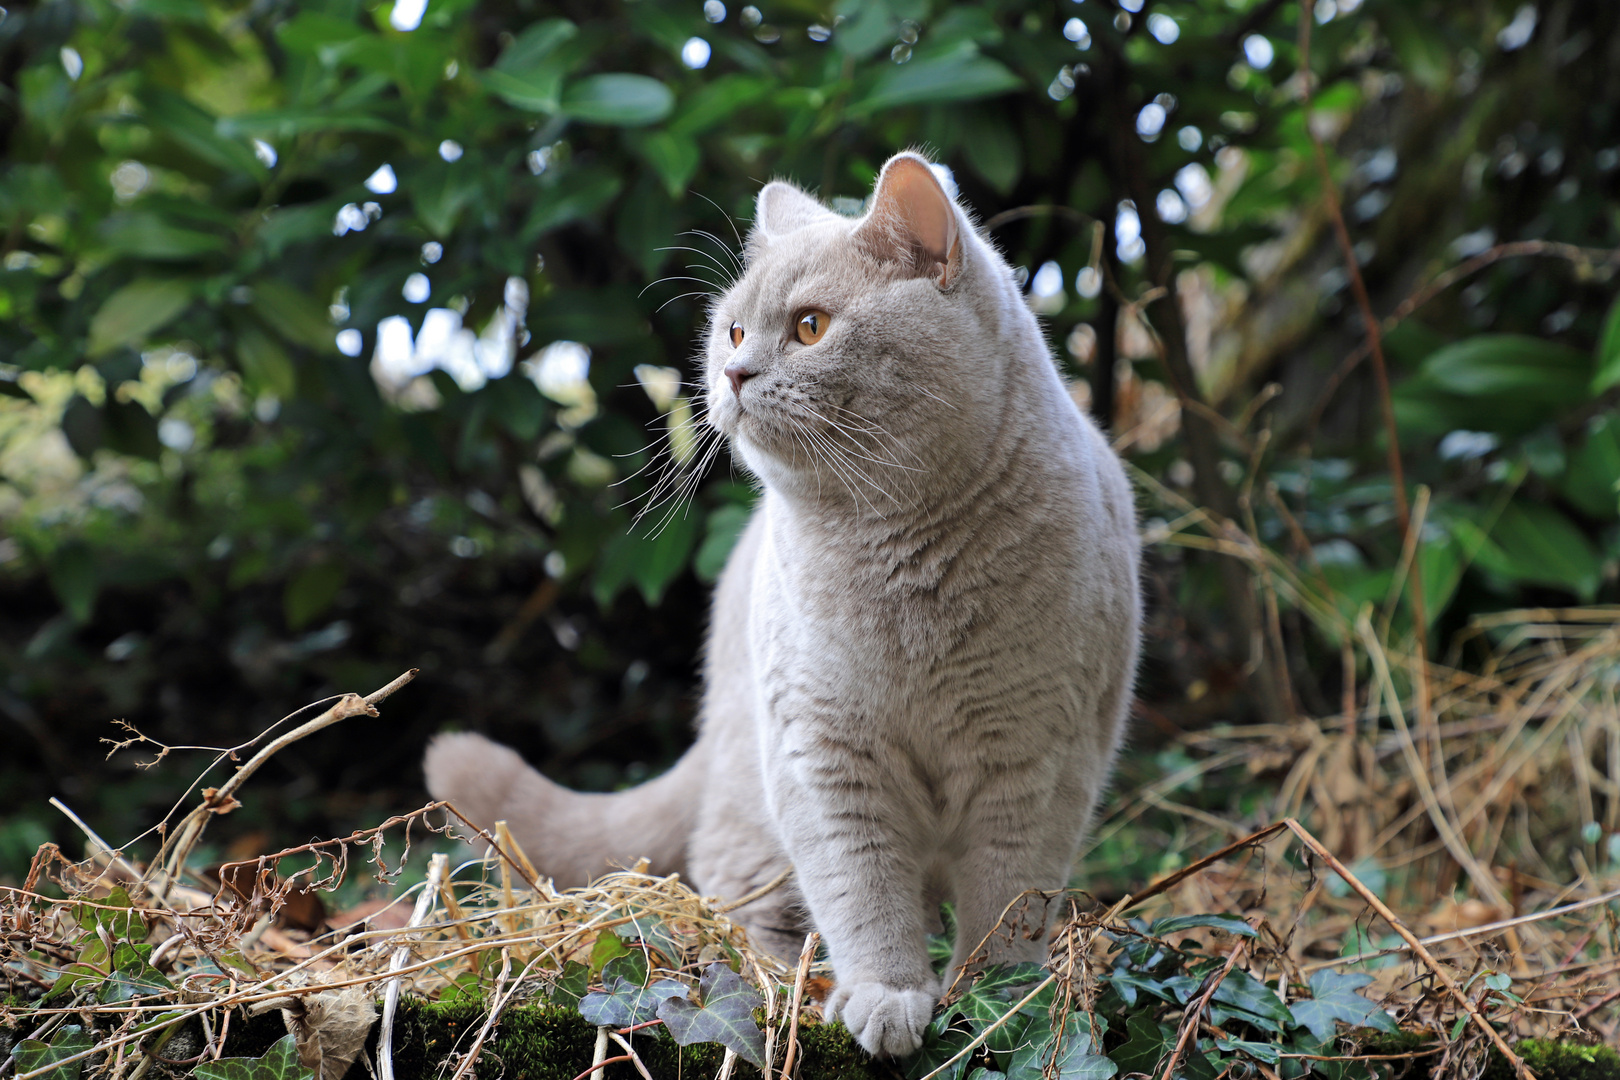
{"x":336,"y":335}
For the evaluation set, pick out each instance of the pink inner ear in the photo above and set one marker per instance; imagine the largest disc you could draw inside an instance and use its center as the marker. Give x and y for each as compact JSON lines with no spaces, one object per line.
{"x":911,"y":198}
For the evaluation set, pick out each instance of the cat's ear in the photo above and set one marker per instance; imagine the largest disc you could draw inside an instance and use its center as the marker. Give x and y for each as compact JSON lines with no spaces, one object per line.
{"x":913,"y":221}
{"x":782,"y":208}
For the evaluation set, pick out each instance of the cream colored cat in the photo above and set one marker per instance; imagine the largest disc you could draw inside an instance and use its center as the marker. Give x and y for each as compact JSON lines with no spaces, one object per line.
{"x":923,"y":645}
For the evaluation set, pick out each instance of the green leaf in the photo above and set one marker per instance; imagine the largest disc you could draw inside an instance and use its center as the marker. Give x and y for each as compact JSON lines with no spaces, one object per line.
{"x":32,"y":1054}
{"x":992,"y":149}
{"x":136,"y":311}
{"x":1608,"y":351}
{"x":593,"y":316}
{"x":1592,"y":478}
{"x":146,"y":235}
{"x":536,"y":42}
{"x":623,"y":1002}
{"x":1497,"y":364}
{"x":196,"y":131}
{"x":314,"y":33}
{"x":1534,"y":543}
{"x":572,"y":984}
{"x":129,"y":429}
{"x":310,"y":592}
{"x":1146,"y":1045}
{"x":265,"y":364}
{"x":715,"y":102}
{"x":115,"y":914}
{"x":1128,"y":982}
{"x":1243,"y":992}
{"x":294,"y":314}
{"x":72,"y":570}
{"x":579,"y":194}
{"x":673,"y":157}
{"x":725,"y":528}
{"x":538,"y":91}
{"x":1266,"y":1052}
{"x":955,"y":77}
{"x":663,"y":555}
{"x":623,"y":100}
{"x":132,"y":976}
{"x":280,"y":1062}
{"x":1232,"y":924}
{"x":1073,"y":1057}
{"x":939,"y":1045}
{"x":1336,"y":997}
{"x":608,"y":947}
{"x":726,"y":1015}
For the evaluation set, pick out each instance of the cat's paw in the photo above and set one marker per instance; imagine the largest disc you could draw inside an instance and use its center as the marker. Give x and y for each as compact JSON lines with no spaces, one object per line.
{"x":886,"y":1020}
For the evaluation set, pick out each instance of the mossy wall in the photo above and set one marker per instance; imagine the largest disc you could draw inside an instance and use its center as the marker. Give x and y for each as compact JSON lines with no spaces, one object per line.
{"x":546,"y":1042}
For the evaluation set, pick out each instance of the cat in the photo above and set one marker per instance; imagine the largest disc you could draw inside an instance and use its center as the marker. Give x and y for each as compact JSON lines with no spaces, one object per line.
{"x":923,"y":645}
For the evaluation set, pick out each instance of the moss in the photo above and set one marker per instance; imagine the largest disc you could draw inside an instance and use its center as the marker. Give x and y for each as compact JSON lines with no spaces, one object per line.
{"x":545,"y":1042}
{"x":1557,"y":1061}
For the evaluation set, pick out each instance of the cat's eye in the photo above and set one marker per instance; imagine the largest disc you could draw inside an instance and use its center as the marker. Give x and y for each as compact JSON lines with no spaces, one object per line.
{"x":812,"y":325}
{"x":736,"y":334}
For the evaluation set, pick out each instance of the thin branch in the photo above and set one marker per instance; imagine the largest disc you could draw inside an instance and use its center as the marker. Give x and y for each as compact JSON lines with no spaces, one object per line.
{"x":1519,"y":1067}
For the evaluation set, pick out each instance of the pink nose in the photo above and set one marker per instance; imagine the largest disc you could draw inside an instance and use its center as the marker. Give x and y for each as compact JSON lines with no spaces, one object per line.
{"x":738,"y":374}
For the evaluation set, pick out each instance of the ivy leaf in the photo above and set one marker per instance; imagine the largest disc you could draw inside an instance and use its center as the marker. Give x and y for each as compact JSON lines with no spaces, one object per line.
{"x":991,"y":996}
{"x":123,"y":923}
{"x":1253,"y":1001}
{"x":1229,"y":923}
{"x":31,"y":1054}
{"x":571,"y":984}
{"x":1260,"y":1051}
{"x":1074,"y":1057}
{"x":726,"y":1016}
{"x":624,"y":999}
{"x":1127,"y":983}
{"x":280,"y":1062}
{"x":132,"y":976}
{"x":939,"y":1045}
{"x":1334,"y":997}
{"x":1146,"y":1045}
{"x":608,"y":946}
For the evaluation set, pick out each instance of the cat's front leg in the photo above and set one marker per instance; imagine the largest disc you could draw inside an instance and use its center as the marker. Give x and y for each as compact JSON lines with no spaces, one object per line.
{"x":863,"y":883}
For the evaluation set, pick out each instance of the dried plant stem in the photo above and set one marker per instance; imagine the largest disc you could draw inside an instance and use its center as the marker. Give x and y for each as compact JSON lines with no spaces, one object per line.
{"x":1519,"y":1067}
{"x":1449,"y":835}
{"x":635,"y":1058}
{"x":1189,"y":1022}
{"x":112,"y":854}
{"x":807,"y":954}
{"x":769,"y":887}
{"x":437,"y":868}
{"x":221,"y":800}
{"x":1426,"y":720}
{"x":497,"y":1006}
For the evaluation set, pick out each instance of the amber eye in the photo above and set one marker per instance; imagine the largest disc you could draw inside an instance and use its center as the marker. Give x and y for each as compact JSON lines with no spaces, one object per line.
{"x":736,"y":334}
{"x":813,"y":324}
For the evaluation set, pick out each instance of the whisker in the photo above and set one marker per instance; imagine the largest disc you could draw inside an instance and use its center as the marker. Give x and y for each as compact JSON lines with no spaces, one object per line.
{"x":729,"y":221}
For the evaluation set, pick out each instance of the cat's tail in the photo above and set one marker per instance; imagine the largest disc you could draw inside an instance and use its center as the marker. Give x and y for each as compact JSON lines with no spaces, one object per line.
{"x":570,"y":836}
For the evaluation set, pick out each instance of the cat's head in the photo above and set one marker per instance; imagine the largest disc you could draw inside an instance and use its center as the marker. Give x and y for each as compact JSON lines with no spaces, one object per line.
{"x":854,"y":354}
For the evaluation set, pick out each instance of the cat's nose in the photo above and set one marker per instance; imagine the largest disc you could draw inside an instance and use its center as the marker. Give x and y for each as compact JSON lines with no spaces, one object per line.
{"x":738,"y":374}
